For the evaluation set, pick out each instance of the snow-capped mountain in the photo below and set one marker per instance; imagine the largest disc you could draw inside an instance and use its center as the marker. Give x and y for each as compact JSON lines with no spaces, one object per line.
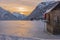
{"x":40,"y":10}
{"x":6,"y":15}
{"x":19,"y":16}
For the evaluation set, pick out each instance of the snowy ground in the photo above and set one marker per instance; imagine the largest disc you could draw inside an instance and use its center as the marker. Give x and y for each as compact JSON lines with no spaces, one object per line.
{"x":25,"y":30}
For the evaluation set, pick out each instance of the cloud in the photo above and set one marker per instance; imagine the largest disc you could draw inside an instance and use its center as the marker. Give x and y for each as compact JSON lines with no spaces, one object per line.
{"x":22,"y":2}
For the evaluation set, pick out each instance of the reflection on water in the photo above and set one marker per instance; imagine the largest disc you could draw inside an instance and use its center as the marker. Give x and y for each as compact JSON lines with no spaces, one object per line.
{"x":18,"y":28}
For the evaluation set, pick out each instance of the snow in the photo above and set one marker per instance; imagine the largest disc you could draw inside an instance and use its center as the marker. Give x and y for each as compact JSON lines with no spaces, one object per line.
{"x":25,"y":30}
{"x":41,"y":9}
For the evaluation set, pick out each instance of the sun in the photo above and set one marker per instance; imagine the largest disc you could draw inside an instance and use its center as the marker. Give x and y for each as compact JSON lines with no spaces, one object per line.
{"x":22,"y":9}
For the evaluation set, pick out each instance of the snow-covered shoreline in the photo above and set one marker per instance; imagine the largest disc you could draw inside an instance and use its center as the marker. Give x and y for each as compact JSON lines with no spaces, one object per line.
{"x":27,"y":29}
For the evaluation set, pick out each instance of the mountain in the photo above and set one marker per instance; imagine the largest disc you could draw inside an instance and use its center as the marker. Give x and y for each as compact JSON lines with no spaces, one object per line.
{"x":40,"y":10}
{"x":6,"y":15}
{"x":19,"y":16}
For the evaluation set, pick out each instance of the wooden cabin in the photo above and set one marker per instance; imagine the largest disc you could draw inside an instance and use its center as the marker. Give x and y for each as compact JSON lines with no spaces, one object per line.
{"x":53,"y":19}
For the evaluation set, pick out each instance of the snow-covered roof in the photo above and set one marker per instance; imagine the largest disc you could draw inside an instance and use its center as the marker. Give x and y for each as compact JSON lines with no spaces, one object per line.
{"x":52,"y":7}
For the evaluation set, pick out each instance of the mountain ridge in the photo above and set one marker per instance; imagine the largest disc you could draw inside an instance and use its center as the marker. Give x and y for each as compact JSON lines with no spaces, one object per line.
{"x":7,"y":15}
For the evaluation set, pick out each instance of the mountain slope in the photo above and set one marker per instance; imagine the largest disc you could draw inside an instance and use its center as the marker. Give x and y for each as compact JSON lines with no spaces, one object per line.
{"x":6,"y":15}
{"x":19,"y":16}
{"x":40,"y":10}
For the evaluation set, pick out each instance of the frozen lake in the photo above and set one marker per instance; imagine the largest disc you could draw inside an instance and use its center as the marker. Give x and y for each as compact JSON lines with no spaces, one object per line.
{"x":26,"y":29}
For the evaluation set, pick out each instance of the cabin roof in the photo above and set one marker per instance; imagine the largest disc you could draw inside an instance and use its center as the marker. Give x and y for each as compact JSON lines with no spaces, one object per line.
{"x":53,"y":7}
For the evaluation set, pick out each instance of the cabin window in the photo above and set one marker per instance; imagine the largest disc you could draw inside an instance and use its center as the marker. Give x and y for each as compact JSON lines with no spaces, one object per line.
{"x":45,"y":16}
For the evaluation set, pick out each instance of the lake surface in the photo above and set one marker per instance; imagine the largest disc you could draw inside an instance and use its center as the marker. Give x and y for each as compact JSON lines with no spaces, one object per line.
{"x":27,"y":29}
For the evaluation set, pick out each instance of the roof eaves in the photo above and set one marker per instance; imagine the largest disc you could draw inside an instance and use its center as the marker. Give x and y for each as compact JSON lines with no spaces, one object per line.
{"x":52,"y":8}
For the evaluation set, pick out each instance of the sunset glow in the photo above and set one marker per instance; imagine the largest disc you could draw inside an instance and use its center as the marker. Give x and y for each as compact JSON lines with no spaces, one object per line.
{"x":21,"y":6}
{"x":22,"y":9}
{"x":26,"y":10}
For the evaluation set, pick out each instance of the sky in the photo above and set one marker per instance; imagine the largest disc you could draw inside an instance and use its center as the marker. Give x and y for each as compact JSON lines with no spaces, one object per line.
{"x":21,"y":2}
{"x":22,"y":6}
